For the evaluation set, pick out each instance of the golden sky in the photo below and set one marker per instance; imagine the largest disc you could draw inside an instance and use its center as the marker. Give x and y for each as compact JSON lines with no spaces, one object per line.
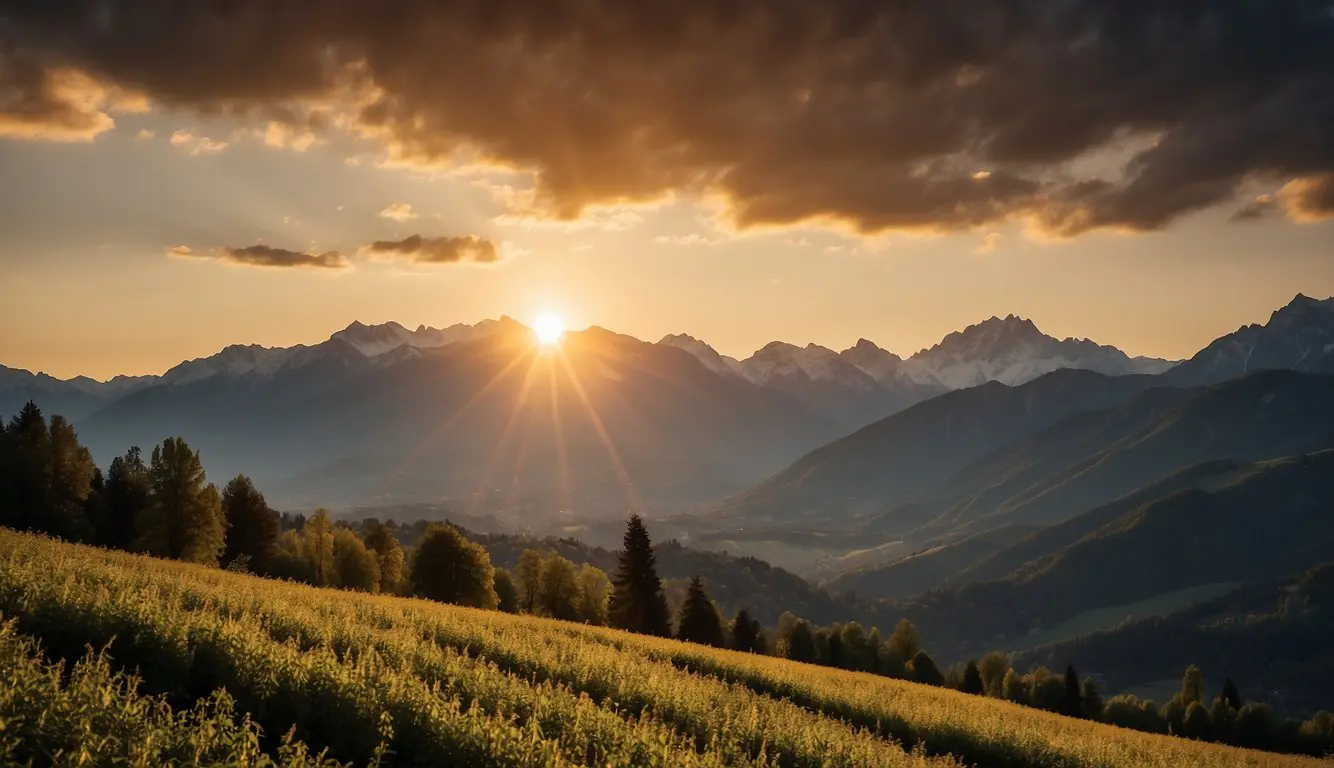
{"x":807,"y":171}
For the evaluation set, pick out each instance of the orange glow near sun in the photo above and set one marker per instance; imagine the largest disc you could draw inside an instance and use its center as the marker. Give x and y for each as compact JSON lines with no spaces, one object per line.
{"x":549,"y":329}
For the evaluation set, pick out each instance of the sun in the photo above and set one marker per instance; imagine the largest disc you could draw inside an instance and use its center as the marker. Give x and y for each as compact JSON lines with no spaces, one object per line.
{"x":549,"y":329}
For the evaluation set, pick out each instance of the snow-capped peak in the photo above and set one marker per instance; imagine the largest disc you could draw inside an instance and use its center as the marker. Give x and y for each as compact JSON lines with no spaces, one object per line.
{"x":719,"y":364}
{"x":880,"y":364}
{"x":779,"y":359}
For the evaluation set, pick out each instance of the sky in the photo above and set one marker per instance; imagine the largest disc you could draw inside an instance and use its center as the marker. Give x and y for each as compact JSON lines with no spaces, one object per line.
{"x":806,"y":170}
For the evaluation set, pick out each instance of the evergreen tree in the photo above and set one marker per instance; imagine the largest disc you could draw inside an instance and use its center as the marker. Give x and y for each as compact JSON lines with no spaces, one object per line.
{"x":507,"y":594}
{"x":317,"y":541}
{"x":699,"y":621}
{"x":183,"y":519}
{"x":252,"y":527}
{"x":1231,"y":695}
{"x":381,"y":540}
{"x":923,"y":669}
{"x":29,"y":446}
{"x":972,"y":679}
{"x":1072,"y":703}
{"x":127,"y":490}
{"x":834,"y":655}
{"x":799,"y":643}
{"x":449,"y":568}
{"x":355,"y":566}
{"x":69,"y":473}
{"x":744,"y":632}
{"x":1093,"y":704}
{"x":637,"y":600}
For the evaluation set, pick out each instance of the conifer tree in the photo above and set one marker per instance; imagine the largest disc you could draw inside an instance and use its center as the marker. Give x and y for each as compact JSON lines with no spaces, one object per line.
{"x":127,"y":489}
{"x":699,"y":621}
{"x":972,"y":679}
{"x":1072,"y":703}
{"x":29,"y":443}
{"x":1231,"y":695}
{"x":183,"y":519}
{"x":745,"y":632}
{"x":69,"y":474}
{"x":637,"y":601}
{"x":799,"y":643}
{"x":1093,"y":703}
{"x":924,"y":670}
{"x":252,"y":527}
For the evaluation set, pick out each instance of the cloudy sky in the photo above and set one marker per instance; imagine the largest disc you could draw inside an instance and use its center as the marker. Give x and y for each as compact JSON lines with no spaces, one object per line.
{"x":180,"y":176}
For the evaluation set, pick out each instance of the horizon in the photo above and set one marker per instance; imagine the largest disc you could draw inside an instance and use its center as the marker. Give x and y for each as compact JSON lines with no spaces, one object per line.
{"x":529,"y":322}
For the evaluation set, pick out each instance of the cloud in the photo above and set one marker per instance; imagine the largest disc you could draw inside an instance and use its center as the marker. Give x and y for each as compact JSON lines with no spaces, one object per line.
{"x":1310,"y":198}
{"x":989,"y":243}
{"x":1261,"y":207}
{"x":870,"y":117}
{"x":435,"y":250}
{"x":267,"y":256}
{"x":690,"y":239}
{"x":59,"y":103}
{"x":279,"y":135}
{"x":196,"y":145}
{"x":144,"y":134}
{"x":398,"y":212}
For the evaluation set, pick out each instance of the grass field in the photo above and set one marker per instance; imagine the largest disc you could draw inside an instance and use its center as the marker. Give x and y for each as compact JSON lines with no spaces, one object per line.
{"x":406,"y":682}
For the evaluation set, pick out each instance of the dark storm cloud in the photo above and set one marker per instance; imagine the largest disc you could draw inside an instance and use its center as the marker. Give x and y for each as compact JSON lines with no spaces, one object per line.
{"x":268,"y":256}
{"x":875,"y":114}
{"x":435,"y":250}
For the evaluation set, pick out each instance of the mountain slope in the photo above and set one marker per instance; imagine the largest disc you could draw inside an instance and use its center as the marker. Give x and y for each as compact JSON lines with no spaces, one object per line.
{"x":1260,"y":522}
{"x":71,"y":398}
{"x":912,"y":454}
{"x":1299,"y":336}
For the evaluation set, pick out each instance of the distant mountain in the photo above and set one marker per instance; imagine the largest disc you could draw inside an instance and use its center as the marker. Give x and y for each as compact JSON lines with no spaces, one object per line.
{"x":1259,"y":522}
{"x":913,"y":454}
{"x":1299,"y":337}
{"x":605,"y":423}
{"x":719,"y":364}
{"x":71,"y":398}
{"x":1013,"y":351}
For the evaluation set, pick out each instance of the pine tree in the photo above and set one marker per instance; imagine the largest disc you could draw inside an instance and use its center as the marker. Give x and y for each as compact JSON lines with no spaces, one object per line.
{"x":1072,"y":703}
{"x":183,"y":519}
{"x":29,"y":489}
{"x":637,"y":601}
{"x":799,"y":643}
{"x":127,"y":489}
{"x":1093,"y":703}
{"x":699,"y":621}
{"x":252,"y":527}
{"x":744,"y":631}
{"x":972,"y":679}
{"x":924,"y":670}
{"x":69,"y":473}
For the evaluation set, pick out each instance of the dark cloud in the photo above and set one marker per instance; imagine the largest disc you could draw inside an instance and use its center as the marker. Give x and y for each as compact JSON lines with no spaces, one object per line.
{"x":268,"y":256}
{"x":1263,"y":206}
{"x":435,"y":250}
{"x":874,"y":114}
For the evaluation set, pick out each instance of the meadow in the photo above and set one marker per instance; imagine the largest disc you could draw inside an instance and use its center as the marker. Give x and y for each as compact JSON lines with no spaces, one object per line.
{"x":168,"y":662}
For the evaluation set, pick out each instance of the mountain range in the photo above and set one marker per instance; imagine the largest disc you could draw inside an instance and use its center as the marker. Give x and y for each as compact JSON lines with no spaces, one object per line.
{"x":344,"y":421}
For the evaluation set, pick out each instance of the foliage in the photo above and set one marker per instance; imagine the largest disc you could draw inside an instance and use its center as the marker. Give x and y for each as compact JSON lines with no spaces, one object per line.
{"x":389,"y":556}
{"x":699,"y":621}
{"x":252,"y":527}
{"x":183,"y":519}
{"x":637,"y":600}
{"x":355,"y":566}
{"x":451,"y":569}
{"x":425,"y":684}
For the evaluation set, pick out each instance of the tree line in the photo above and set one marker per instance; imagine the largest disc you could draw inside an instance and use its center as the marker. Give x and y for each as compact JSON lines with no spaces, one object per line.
{"x":166,"y":507}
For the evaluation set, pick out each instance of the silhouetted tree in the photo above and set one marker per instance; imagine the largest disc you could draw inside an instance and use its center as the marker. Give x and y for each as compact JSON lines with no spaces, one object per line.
{"x":127,"y":489}
{"x":1092,"y":699}
{"x":69,"y":471}
{"x":252,"y":527}
{"x":507,"y":594}
{"x":923,"y":669}
{"x":699,"y":621}
{"x":1196,"y":724}
{"x":993,"y":667}
{"x":184,"y":518}
{"x":905,"y":642}
{"x":1192,"y":686}
{"x":449,"y":568}
{"x":1072,"y":703}
{"x":637,"y":600}
{"x":29,"y":448}
{"x":744,"y":632}
{"x":972,"y":679}
{"x":1231,"y":695}
{"x":798,"y":643}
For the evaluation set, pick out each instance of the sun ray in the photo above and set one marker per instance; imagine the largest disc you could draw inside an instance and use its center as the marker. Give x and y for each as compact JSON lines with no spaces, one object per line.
{"x":631,"y":495}
{"x":558,"y":435}
{"x":488,"y":470}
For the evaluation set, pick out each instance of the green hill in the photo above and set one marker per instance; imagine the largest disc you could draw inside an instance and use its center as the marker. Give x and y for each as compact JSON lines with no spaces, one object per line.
{"x":408,"y":682}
